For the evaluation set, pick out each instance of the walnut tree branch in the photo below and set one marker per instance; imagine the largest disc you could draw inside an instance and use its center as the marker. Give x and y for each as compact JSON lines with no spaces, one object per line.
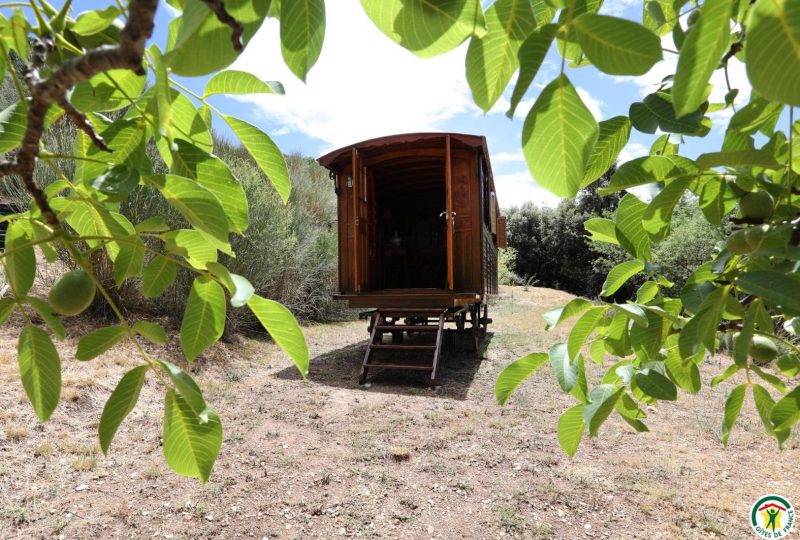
{"x":218,"y":7}
{"x":82,"y":123}
{"x":44,"y":93}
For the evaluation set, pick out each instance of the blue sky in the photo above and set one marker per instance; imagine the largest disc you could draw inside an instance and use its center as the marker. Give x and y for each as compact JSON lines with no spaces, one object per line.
{"x":366,"y":86}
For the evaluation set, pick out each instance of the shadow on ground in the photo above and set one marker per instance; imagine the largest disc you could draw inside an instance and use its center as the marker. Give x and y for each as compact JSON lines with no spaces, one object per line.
{"x":458,"y":366}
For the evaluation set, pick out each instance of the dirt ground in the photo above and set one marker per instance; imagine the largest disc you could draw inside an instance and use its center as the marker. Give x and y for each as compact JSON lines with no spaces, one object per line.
{"x":329,"y":459}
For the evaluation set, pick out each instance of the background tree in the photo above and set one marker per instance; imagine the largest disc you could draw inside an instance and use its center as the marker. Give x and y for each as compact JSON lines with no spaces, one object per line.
{"x":552,"y":245}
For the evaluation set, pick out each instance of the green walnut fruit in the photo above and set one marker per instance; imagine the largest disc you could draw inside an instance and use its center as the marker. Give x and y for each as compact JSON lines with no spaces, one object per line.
{"x":693,"y":16}
{"x":737,"y":243}
{"x":755,"y":235}
{"x":72,"y":293}
{"x":757,"y":205}
{"x":763,"y":350}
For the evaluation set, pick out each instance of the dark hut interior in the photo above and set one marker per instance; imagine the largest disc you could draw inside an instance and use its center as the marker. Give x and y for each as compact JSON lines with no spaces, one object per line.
{"x":410,"y":244}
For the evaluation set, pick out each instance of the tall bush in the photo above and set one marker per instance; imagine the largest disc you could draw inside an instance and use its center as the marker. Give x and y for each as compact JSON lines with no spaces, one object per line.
{"x":554,"y":245}
{"x":288,"y":251}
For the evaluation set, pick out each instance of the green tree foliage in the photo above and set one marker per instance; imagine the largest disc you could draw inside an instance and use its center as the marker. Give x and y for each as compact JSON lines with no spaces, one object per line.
{"x":298,"y":239}
{"x":691,"y":242}
{"x":506,"y":258}
{"x":660,"y":338}
{"x":553,"y":248}
{"x":690,"y":286}
{"x":123,"y":182}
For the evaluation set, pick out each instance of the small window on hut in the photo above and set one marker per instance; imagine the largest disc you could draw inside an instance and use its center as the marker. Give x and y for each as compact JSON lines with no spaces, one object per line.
{"x":493,"y":213}
{"x":502,"y":232}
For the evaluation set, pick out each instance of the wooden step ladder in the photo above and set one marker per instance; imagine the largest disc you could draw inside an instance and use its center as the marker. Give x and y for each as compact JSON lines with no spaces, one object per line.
{"x":383,"y":322}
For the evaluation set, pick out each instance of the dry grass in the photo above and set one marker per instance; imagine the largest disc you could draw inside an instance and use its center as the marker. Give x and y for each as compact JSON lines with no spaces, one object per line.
{"x":153,"y":472}
{"x":400,"y":453}
{"x":16,"y":433}
{"x":43,"y":449}
{"x":77,"y":449}
{"x":83,"y":463}
{"x":71,"y":394}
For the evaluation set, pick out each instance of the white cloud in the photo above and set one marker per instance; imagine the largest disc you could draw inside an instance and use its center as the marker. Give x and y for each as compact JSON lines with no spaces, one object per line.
{"x":506,"y":157}
{"x":501,"y":106}
{"x":524,"y":107}
{"x":652,"y":80}
{"x":517,"y":188}
{"x":594,"y":105}
{"x":632,"y":151}
{"x":618,"y":8}
{"x":737,"y":75}
{"x":363,"y":85}
{"x":646,"y":192}
{"x":163,"y":5}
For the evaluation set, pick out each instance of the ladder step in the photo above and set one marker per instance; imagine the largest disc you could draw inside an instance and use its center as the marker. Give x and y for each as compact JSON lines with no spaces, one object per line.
{"x":409,"y":327}
{"x":401,"y":366}
{"x":389,"y":311}
{"x":410,"y":313}
{"x":403,"y":347}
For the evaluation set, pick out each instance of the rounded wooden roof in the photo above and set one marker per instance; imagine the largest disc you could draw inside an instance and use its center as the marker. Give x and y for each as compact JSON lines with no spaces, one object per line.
{"x":334,"y":159}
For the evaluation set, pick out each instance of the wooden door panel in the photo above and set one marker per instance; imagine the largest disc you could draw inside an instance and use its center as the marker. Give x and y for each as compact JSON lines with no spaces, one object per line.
{"x":363,"y":232}
{"x":466,"y":205}
{"x":360,"y":226}
{"x":346,"y":226}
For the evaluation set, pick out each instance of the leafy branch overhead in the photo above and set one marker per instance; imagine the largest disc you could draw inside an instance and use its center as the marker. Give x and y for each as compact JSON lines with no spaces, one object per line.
{"x":119,"y":90}
{"x":80,"y":68}
{"x":750,"y":288}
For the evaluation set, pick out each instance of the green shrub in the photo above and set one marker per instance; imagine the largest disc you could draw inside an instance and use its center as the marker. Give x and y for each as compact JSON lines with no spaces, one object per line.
{"x":288,"y":252}
{"x":689,"y":245}
{"x":552,"y":244}
{"x":691,"y":241}
{"x":506,"y":258}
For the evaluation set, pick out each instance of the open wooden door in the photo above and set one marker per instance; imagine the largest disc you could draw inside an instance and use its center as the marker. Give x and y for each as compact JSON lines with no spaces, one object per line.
{"x":448,"y":213}
{"x":360,"y":246}
{"x":464,"y":220}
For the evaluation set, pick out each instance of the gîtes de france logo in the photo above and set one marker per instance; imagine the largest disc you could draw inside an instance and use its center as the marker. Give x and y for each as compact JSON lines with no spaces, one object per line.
{"x":772,"y":517}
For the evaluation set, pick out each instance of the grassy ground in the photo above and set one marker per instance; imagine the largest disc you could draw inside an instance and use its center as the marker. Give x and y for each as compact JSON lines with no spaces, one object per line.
{"x":328,"y":459}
